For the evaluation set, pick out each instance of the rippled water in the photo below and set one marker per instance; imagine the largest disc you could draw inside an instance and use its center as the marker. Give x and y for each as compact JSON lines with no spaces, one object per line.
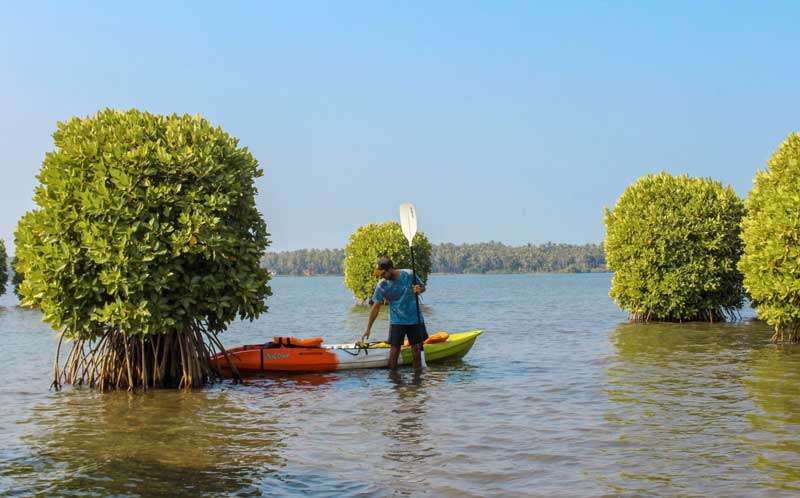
{"x":560,"y":397}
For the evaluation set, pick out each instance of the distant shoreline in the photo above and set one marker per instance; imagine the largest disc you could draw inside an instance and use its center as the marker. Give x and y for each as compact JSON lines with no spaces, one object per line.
{"x":458,"y":259}
{"x":471,"y":274}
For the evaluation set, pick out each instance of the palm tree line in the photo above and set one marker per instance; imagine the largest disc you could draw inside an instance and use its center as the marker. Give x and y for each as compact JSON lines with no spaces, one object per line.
{"x":483,"y":257}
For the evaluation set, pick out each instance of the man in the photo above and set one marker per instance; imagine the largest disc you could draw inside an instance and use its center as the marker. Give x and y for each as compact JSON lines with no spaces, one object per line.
{"x":404,"y":319}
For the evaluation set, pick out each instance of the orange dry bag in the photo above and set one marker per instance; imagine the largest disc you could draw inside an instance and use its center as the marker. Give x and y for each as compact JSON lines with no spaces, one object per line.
{"x":437,"y":337}
{"x":313,"y":342}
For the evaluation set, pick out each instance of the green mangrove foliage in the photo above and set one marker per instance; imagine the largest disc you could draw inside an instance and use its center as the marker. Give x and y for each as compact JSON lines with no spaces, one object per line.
{"x":3,"y":267}
{"x":771,"y":236}
{"x":673,"y":244}
{"x":145,"y":244}
{"x":368,"y":243}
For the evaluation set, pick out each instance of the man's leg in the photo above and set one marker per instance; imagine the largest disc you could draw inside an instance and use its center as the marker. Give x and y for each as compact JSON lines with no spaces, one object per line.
{"x":416,"y":355}
{"x":416,"y":336}
{"x":394,"y":353}
{"x":396,"y":335}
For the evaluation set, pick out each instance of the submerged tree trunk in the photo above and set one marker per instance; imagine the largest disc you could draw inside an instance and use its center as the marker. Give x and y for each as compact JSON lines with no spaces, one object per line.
{"x":787,"y":333}
{"x":176,"y":359}
{"x":719,"y":314}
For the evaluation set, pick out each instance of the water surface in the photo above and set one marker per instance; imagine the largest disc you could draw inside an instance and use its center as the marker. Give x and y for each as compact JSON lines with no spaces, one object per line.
{"x":559,"y":397}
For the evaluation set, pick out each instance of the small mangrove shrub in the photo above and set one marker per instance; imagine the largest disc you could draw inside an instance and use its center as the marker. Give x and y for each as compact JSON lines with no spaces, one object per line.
{"x":145,"y":244}
{"x":368,"y":243}
{"x":673,"y":244}
{"x":771,"y":236}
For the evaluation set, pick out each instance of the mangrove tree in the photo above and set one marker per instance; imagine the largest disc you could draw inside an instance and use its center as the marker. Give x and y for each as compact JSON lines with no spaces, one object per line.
{"x":673,"y":245}
{"x":368,"y":243}
{"x":771,"y":236}
{"x":144,"y":245}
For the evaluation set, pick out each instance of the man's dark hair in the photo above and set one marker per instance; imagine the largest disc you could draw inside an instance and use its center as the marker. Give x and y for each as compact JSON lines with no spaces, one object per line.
{"x":385,"y":263}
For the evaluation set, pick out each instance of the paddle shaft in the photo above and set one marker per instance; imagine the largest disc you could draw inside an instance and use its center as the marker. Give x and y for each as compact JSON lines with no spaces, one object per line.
{"x":414,"y":282}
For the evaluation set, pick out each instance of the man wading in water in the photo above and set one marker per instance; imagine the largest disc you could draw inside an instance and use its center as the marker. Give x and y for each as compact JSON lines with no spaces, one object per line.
{"x":404,"y":318}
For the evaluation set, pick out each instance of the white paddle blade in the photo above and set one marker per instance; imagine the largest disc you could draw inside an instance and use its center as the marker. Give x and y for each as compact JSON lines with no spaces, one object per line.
{"x":408,"y":220}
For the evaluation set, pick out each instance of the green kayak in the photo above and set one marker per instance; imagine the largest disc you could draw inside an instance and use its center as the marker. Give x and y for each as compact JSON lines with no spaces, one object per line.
{"x":456,"y":346}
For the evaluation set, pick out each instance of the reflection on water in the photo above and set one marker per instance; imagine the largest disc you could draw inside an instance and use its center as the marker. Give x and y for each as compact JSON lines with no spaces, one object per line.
{"x":407,"y":435}
{"x":406,"y":430}
{"x":130,"y":444}
{"x":772,"y":384}
{"x":687,"y":412}
{"x":279,"y":383}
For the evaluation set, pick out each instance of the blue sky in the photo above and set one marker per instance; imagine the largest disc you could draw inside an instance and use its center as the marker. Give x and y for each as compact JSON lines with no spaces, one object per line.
{"x":509,"y":121}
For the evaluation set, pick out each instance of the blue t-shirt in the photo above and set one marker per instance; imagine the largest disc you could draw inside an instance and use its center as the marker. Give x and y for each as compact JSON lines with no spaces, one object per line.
{"x":402,"y":304}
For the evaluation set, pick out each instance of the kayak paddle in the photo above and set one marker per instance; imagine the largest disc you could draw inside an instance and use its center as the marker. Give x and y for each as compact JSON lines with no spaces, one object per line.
{"x":408,"y":222}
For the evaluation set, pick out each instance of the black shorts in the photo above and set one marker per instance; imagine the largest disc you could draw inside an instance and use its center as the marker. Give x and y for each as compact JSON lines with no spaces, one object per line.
{"x":416,"y":334}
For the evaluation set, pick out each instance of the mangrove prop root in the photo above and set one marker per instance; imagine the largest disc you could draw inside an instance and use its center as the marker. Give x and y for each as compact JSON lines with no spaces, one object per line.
{"x":174,"y":359}
{"x":786,"y":333}
{"x":215,"y":340}
{"x":713,"y":315}
{"x":56,"y":384}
